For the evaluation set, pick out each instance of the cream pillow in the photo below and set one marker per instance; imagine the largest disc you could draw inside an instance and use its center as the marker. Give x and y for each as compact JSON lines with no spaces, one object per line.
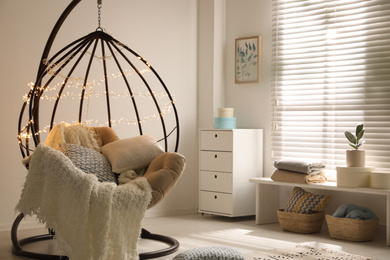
{"x":132,"y":153}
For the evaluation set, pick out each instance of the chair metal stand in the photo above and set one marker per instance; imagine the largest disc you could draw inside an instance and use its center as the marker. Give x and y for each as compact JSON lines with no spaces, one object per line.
{"x":17,"y":244}
{"x":18,"y":250}
{"x":174,"y":245}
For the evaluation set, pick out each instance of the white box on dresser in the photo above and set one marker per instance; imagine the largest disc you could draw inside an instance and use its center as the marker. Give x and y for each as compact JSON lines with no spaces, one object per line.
{"x":228,"y":159}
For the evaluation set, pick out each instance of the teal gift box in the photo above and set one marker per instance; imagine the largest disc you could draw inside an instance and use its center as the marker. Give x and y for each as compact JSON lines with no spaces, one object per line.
{"x":225,"y":122}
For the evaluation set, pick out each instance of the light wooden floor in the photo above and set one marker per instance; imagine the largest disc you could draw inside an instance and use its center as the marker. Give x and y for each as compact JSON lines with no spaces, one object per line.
{"x":196,"y":230}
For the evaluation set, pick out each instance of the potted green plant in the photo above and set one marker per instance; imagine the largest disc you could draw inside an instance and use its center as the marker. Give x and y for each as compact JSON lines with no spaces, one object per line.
{"x":356,"y":157}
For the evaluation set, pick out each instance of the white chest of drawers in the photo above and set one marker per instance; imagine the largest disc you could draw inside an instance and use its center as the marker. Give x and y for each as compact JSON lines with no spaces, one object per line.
{"x":228,"y":159}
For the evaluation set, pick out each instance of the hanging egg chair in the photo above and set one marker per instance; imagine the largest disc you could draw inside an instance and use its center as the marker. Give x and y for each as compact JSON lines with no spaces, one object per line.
{"x":98,"y":81}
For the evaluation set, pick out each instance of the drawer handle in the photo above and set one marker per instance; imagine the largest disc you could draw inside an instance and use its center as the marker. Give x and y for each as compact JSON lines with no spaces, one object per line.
{"x":216,"y":135}
{"x":215,"y":176}
{"x":215,"y":197}
{"x":215,"y":156}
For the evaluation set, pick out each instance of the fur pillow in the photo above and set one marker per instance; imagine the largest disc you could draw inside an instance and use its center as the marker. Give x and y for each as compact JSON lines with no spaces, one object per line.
{"x":132,"y":153}
{"x":305,"y":202}
{"x":89,"y":161}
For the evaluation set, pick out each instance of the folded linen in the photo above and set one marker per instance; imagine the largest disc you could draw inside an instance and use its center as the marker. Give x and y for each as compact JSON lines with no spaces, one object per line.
{"x":296,"y":177}
{"x":355,"y":212}
{"x":306,"y":167}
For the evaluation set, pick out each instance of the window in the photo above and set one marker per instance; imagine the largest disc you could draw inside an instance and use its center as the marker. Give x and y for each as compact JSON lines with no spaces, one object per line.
{"x":331,"y":72}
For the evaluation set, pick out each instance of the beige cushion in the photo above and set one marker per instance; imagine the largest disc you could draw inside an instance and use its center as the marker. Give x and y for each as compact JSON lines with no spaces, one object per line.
{"x":132,"y":153}
{"x":163,"y":174}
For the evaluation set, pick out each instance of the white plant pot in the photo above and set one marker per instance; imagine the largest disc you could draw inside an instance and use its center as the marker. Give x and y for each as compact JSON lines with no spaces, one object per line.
{"x":356,"y":158}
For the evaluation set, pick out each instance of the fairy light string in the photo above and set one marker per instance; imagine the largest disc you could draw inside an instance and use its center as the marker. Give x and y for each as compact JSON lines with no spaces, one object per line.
{"x":167,"y":109}
{"x":73,"y":86}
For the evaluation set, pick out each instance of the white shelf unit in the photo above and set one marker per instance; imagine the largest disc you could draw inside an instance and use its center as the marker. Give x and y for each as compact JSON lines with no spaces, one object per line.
{"x":228,"y":159}
{"x":267,"y":198}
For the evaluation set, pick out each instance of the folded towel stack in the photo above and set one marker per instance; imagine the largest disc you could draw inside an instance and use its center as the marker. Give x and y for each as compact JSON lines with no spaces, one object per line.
{"x":305,"y":167}
{"x":299,"y":171}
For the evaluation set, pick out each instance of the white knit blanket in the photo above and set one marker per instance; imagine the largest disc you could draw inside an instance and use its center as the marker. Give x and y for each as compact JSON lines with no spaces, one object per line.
{"x":92,"y":220}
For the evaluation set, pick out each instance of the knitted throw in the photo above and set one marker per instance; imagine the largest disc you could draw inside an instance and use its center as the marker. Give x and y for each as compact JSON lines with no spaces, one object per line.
{"x":92,"y":220}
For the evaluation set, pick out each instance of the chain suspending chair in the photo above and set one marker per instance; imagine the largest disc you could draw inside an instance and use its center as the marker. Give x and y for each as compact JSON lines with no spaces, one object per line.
{"x":123,"y":83}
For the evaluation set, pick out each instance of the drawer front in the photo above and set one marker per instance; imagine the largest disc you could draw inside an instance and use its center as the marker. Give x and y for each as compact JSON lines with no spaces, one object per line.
{"x":216,"y":140}
{"x":216,"y":181}
{"x":216,"y":202}
{"x":216,"y":161}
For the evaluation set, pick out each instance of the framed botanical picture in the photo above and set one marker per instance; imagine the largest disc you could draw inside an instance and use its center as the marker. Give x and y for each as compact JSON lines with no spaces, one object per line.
{"x":248,"y":60}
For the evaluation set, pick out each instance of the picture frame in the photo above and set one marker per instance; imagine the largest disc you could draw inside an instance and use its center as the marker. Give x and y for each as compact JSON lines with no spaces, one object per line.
{"x":248,"y":60}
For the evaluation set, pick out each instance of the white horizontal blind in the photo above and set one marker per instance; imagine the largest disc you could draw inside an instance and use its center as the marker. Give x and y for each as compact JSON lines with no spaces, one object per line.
{"x":331,"y":72}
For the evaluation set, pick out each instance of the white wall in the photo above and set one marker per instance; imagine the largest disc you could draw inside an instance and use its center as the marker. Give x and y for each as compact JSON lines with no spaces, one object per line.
{"x":252,"y":102}
{"x":220,"y":23}
{"x":163,"y":32}
{"x":211,"y":56}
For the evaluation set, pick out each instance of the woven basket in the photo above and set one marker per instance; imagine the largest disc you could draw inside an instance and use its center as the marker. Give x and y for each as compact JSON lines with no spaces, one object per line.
{"x":301,"y":223}
{"x":352,"y":229}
